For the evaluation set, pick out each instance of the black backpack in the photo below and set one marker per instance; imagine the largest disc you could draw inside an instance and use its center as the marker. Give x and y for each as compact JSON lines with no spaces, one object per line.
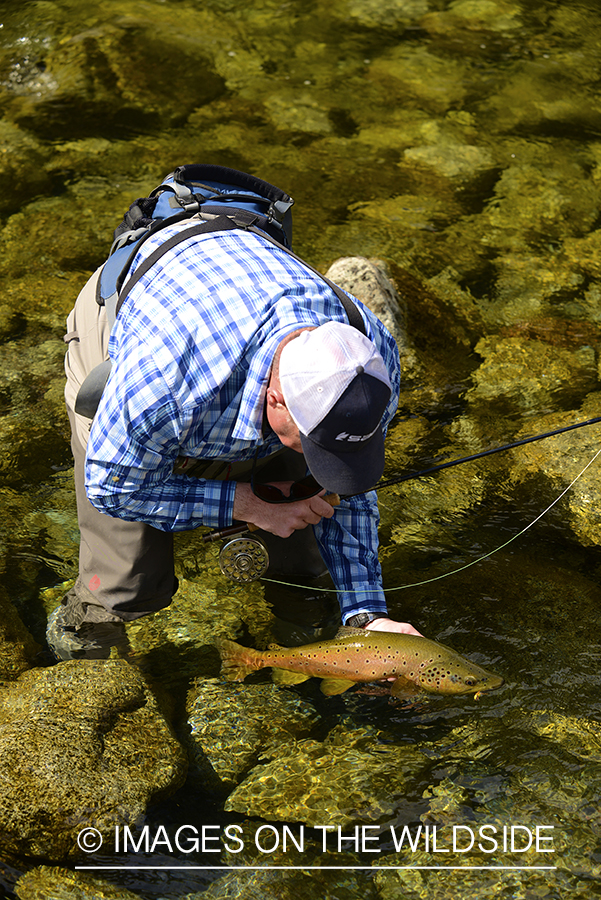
{"x":223,"y":199}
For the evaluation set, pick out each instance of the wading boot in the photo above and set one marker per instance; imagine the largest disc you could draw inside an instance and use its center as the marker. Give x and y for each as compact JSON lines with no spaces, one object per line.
{"x":89,"y":641}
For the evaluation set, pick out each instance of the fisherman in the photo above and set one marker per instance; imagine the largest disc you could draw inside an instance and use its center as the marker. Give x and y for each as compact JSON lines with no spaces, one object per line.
{"x":234,"y":369}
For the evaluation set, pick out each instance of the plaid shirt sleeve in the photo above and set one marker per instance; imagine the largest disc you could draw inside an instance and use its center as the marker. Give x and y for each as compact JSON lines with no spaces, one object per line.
{"x":349,"y":545}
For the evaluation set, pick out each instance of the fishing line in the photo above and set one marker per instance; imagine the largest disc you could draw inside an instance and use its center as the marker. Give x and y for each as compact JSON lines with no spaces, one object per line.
{"x":403,"y":587}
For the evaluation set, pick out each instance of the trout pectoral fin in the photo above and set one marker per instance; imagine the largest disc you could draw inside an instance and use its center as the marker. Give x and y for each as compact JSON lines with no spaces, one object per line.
{"x":285,"y":676}
{"x":402,"y":687}
{"x":331,"y":686}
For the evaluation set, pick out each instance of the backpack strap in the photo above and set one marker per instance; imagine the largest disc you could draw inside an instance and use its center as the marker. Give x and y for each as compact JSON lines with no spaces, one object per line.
{"x":88,"y":396}
{"x":239,"y":219}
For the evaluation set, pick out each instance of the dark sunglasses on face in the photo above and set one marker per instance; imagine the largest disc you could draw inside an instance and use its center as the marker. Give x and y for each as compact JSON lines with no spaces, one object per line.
{"x":299,"y":490}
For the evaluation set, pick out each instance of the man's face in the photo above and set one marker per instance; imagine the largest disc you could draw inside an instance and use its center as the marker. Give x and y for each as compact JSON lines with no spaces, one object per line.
{"x":281,"y":421}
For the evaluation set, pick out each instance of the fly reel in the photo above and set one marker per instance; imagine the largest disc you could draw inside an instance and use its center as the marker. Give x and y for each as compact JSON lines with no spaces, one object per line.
{"x":244,"y":559}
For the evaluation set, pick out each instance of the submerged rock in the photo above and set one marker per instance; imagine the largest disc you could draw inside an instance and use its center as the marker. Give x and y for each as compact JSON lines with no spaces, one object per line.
{"x":82,"y":744}
{"x":561,"y":200}
{"x":63,"y":884}
{"x":230,"y":724}
{"x":347,"y":778}
{"x":17,"y":647}
{"x":463,"y":162}
{"x":277,"y":885}
{"x":107,"y":77}
{"x":390,"y":14}
{"x":480,"y":16}
{"x":178,"y":643}
{"x":413,"y":73}
{"x":553,"y":464}
{"x":22,"y":173}
{"x":522,"y":376}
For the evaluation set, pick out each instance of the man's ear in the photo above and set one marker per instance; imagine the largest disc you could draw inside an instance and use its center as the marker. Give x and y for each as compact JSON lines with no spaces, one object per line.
{"x":274,"y":398}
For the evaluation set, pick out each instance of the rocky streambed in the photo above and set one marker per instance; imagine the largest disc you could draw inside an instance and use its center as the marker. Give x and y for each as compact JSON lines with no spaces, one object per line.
{"x":445,"y":161}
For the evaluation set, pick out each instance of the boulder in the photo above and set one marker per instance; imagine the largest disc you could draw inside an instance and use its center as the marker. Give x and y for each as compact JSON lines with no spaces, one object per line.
{"x":230,"y":724}
{"x":82,"y":745}
{"x":348,"y":778}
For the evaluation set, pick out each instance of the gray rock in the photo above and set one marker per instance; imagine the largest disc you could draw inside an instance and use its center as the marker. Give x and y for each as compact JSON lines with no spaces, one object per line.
{"x":368,"y":281}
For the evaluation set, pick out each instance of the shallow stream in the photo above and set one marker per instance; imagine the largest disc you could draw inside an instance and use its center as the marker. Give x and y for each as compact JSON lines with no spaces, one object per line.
{"x":460,"y":144}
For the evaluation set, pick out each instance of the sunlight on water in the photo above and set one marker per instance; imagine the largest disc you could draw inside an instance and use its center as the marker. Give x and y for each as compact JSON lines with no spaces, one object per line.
{"x":458,"y":143}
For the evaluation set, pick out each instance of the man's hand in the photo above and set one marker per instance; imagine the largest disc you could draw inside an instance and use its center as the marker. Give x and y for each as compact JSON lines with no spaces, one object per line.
{"x":384,"y":624}
{"x":279,"y":518}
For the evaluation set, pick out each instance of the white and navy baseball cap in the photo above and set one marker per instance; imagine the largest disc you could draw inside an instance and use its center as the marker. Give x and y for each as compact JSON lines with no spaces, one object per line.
{"x":336,"y":388}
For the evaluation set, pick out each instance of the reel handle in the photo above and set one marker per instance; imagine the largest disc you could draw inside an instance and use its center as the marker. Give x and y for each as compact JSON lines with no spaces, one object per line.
{"x":232,"y":530}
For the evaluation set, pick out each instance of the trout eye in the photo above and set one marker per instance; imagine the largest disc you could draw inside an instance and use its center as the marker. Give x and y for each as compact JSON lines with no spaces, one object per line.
{"x":470,"y":681}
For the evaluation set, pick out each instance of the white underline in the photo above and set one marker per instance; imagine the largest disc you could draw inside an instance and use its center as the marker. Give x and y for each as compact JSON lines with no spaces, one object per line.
{"x":307,"y":868}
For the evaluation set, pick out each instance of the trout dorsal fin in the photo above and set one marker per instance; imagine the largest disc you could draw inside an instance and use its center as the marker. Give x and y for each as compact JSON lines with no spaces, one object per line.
{"x":347,"y":630}
{"x":275,"y":647}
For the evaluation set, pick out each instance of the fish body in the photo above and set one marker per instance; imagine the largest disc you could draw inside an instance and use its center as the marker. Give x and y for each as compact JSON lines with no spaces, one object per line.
{"x":355,"y":655}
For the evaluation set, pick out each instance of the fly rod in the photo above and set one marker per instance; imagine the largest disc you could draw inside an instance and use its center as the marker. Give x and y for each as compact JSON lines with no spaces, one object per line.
{"x":240,"y":529}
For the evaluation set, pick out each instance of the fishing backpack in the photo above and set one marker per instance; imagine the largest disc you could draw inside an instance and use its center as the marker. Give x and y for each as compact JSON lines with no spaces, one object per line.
{"x":222,"y":199}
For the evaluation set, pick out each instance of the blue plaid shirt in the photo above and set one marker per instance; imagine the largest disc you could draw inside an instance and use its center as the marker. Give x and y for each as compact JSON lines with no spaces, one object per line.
{"x":191,"y":353}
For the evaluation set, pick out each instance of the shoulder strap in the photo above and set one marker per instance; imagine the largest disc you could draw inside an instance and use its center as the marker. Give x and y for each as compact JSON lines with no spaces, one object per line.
{"x":89,"y":394}
{"x":239,"y":219}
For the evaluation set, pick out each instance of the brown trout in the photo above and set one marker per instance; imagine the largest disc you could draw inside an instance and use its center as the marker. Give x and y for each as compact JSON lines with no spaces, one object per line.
{"x":355,"y":655}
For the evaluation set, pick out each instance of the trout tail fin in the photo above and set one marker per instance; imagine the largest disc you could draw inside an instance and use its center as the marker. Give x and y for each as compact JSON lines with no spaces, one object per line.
{"x":236,"y":661}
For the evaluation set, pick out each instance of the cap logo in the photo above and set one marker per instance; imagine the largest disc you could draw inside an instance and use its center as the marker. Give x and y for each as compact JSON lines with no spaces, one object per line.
{"x":345,"y":436}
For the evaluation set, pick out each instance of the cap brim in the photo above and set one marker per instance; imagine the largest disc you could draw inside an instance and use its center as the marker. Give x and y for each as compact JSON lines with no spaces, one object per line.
{"x":351,"y":472}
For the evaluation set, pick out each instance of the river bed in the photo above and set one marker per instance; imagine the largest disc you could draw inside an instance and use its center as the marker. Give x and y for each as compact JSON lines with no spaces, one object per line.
{"x":458,"y":144}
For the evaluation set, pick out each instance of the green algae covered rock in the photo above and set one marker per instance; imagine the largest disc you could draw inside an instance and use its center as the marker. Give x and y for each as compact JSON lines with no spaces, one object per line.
{"x":552,"y":465}
{"x":347,"y":778}
{"x":82,"y":744}
{"x":408,"y":72}
{"x":393,"y":15}
{"x":525,"y":376}
{"x":276,"y":885}
{"x":63,"y":884}
{"x":178,"y":643}
{"x":561,"y":200}
{"x":22,"y":174}
{"x":230,"y":724}
{"x":484,"y":17}
{"x":461,"y":161}
{"x":111,"y":76}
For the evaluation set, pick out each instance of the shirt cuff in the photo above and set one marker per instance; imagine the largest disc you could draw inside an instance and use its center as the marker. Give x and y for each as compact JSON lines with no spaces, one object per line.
{"x":218,"y":503}
{"x":356,"y":602}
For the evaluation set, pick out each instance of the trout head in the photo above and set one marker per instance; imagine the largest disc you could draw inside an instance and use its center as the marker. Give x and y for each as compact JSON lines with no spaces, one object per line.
{"x":457,"y":676}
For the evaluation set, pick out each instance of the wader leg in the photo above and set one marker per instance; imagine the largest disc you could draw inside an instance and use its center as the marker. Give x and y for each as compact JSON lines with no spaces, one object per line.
{"x":126,"y":569}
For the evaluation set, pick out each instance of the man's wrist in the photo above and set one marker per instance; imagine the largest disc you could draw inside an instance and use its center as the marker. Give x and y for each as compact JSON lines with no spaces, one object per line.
{"x":361,"y":620}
